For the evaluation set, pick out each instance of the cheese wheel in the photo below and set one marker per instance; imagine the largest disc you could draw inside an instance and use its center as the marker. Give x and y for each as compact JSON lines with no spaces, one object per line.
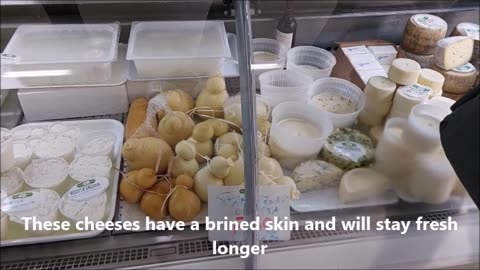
{"x":459,"y":80}
{"x":453,"y":52}
{"x":471,"y":30}
{"x":422,"y":33}
{"x":360,"y":184}
{"x":425,"y":61}
{"x":404,"y":71}
{"x":452,"y":96}
{"x":408,"y":96}
{"x":432,"y":79}
{"x":379,"y":89}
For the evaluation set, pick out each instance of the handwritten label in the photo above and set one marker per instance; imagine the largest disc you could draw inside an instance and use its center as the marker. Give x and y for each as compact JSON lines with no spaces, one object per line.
{"x":273,"y":202}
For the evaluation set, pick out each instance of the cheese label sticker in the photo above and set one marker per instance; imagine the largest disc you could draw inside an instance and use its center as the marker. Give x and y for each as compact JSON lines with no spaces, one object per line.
{"x":7,"y":58}
{"x":351,"y":150}
{"x":355,"y":50}
{"x":22,"y":201}
{"x":417,"y":91}
{"x":88,"y":189}
{"x":429,"y":21}
{"x":467,"y":68}
{"x":473,"y":33}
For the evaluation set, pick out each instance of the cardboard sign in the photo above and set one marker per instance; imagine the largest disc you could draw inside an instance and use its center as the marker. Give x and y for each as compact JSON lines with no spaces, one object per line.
{"x":273,"y":203}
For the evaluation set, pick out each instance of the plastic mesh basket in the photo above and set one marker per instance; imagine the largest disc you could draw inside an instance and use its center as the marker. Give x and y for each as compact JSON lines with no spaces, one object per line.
{"x":342,"y":88}
{"x":283,"y":85}
{"x":312,"y":61}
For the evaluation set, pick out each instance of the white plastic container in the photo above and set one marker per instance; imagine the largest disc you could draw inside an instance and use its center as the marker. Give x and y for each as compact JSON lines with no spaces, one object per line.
{"x":289,"y":146}
{"x":268,"y":55}
{"x":22,"y":153}
{"x":87,"y":167}
{"x":423,"y":131}
{"x":55,"y":146}
{"x":96,"y":143}
{"x":312,"y":61}
{"x":53,"y":54}
{"x":284,"y":85}
{"x":342,"y":88}
{"x":7,"y":157}
{"x":178,"y":49}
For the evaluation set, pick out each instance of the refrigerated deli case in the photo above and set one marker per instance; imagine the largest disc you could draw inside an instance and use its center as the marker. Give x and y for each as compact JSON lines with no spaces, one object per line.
{"x":145,"y":104}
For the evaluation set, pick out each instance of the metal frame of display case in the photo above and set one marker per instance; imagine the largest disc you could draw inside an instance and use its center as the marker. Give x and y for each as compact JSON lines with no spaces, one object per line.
{"x":191,"y":249}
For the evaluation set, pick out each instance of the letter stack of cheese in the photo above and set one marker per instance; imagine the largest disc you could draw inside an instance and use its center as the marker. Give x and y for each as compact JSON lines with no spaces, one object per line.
{"x":420,"y":37}
{"x":379,"y":92}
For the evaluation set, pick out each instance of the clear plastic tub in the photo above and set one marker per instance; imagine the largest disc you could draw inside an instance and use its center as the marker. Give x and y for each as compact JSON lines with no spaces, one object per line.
{"x":312,"y":61}
{"x":291,"y":149}
{"x":342,"y":88}
{"x":284,"y":85}
{"x":178,"y":49}
{"x":62,"y":54}
{"x":268,"y":55}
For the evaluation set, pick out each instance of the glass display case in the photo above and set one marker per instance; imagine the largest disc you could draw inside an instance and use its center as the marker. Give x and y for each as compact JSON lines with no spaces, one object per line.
{"x":316,"y":113}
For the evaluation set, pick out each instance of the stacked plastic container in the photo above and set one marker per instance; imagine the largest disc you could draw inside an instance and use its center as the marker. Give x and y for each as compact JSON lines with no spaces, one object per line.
{"x":311,"y":61}
{"x":284,"y":85}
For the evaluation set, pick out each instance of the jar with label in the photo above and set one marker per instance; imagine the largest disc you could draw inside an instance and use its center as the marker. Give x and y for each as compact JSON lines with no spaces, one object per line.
{"x":85,"y":199}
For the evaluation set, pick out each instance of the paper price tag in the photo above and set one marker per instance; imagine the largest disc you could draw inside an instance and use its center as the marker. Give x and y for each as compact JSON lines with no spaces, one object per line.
{"x":273,"y":202}
{"x":9,"y":58}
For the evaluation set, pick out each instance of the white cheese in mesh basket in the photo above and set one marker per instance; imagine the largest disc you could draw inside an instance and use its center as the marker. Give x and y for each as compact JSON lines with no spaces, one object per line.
{"x":54,"y":146}
{"x":57,"y":128}
{"x":99,"y":144}
{"x":39,"y":203}
{"x":87,"y":167}
{"x":12,"y":181}
{"x":85,"y":199}
{"x":22,"y":153}
{"x":316,"y":174}
{"x":46,"y":173}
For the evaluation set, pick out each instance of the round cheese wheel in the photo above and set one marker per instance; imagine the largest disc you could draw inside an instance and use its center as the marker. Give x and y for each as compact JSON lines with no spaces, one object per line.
{"x":470,"y":30}
{"x":425,"y":61}
{"x":458,"y":80}
{"x":432,"y":79}
{"x":379,"y":89}
{"x":422,"y":33}
{"x":404,"y":71}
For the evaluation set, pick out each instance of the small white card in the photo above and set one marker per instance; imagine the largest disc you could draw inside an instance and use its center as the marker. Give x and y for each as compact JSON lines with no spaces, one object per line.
{"x":273,"y":202}
{"x":362,"y":62}
{"x":355,"y":50}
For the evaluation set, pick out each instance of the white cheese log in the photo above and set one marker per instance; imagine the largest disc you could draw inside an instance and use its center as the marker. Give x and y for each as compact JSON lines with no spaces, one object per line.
{"x":422,"y":32}
{"x":408,"y":96}
{"x":361,"y":184}
{"x":432,"y":79}
{"x":370,"y":119}
{"x":376,"y":133}
{"x":459,"y":80}
{"x":404,"y":71}
{"x":453,"y":52}
{"x":380,"y":89}
{"x":425,"y":61}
